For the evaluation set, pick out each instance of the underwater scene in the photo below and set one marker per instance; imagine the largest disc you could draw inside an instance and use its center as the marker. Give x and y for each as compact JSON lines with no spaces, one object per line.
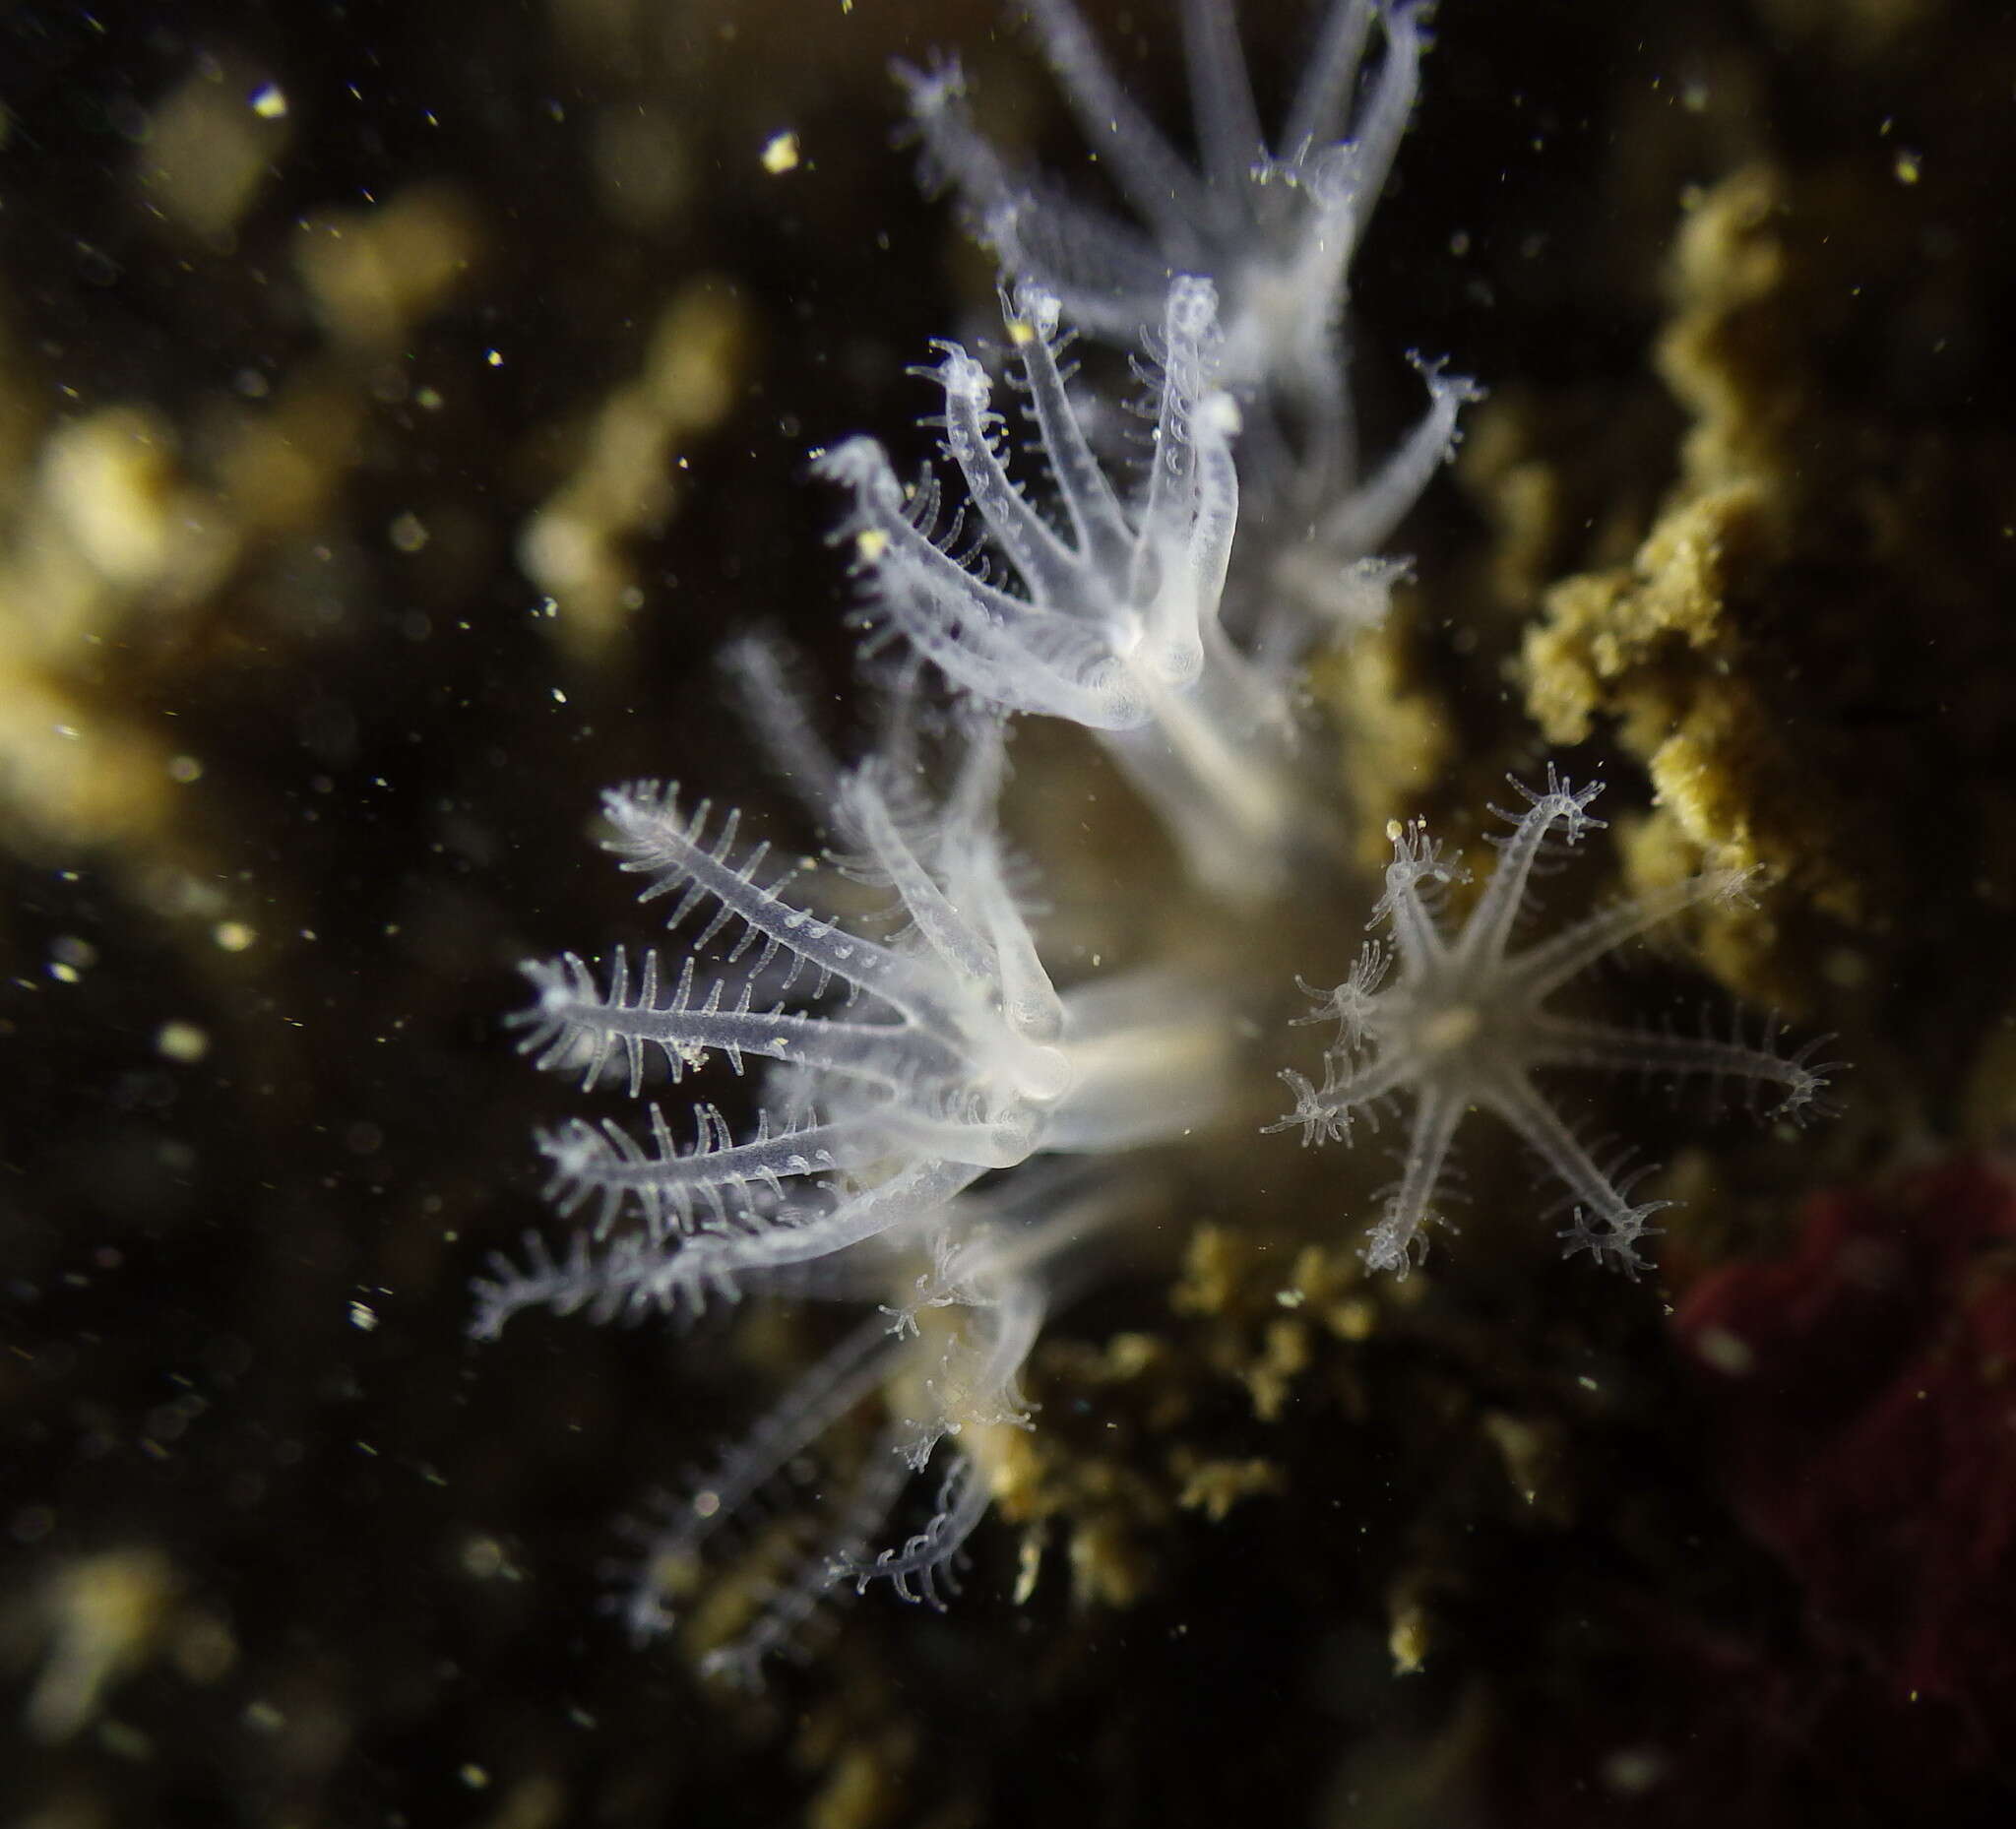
{"x":941,"y":913}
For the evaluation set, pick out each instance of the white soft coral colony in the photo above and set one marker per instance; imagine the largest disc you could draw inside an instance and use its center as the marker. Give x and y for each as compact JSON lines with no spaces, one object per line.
{"x":946,"y":1125}
{"x":947,"y":1052}
{"x":902,"y":1070}
{"x":1275,"y":230}
{"x":1116,"y":625}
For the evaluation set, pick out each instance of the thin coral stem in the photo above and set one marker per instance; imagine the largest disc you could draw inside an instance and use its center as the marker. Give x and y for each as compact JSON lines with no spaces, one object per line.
{"x":1228,"y":135}
{"x":672,"y":1186}
{"x":1550,"y":964}
{"x":1323,"y":96}
{"x":1569,"y":1043}
{"x":923,"y":1565}
{"x":1364,"y":520}
{"x":1053,"y":571}
{"x":1089,"y":504}
{"x":844,"y":1376}
{"x":942,"y":927}
{"x":1159,"y":186}
{"x":865,"y":1510}
{"x":716,"y":1263}
{"x":1398,"y":1235}
{"x":1534,"y":1119}
{"x":1488,"y":929}
{"x":1416,"y":938}
{"x":1383,"y":119}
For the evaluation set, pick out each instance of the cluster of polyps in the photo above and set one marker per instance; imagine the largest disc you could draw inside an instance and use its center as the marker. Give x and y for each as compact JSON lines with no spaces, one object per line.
{"x":1275,"y":229}
{"x":901,"y":1071}
{"x":910,"y":1068}
{"x":1115,"y":621}
{"x":943,"y":1355}
{"x":1167,"y":617}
